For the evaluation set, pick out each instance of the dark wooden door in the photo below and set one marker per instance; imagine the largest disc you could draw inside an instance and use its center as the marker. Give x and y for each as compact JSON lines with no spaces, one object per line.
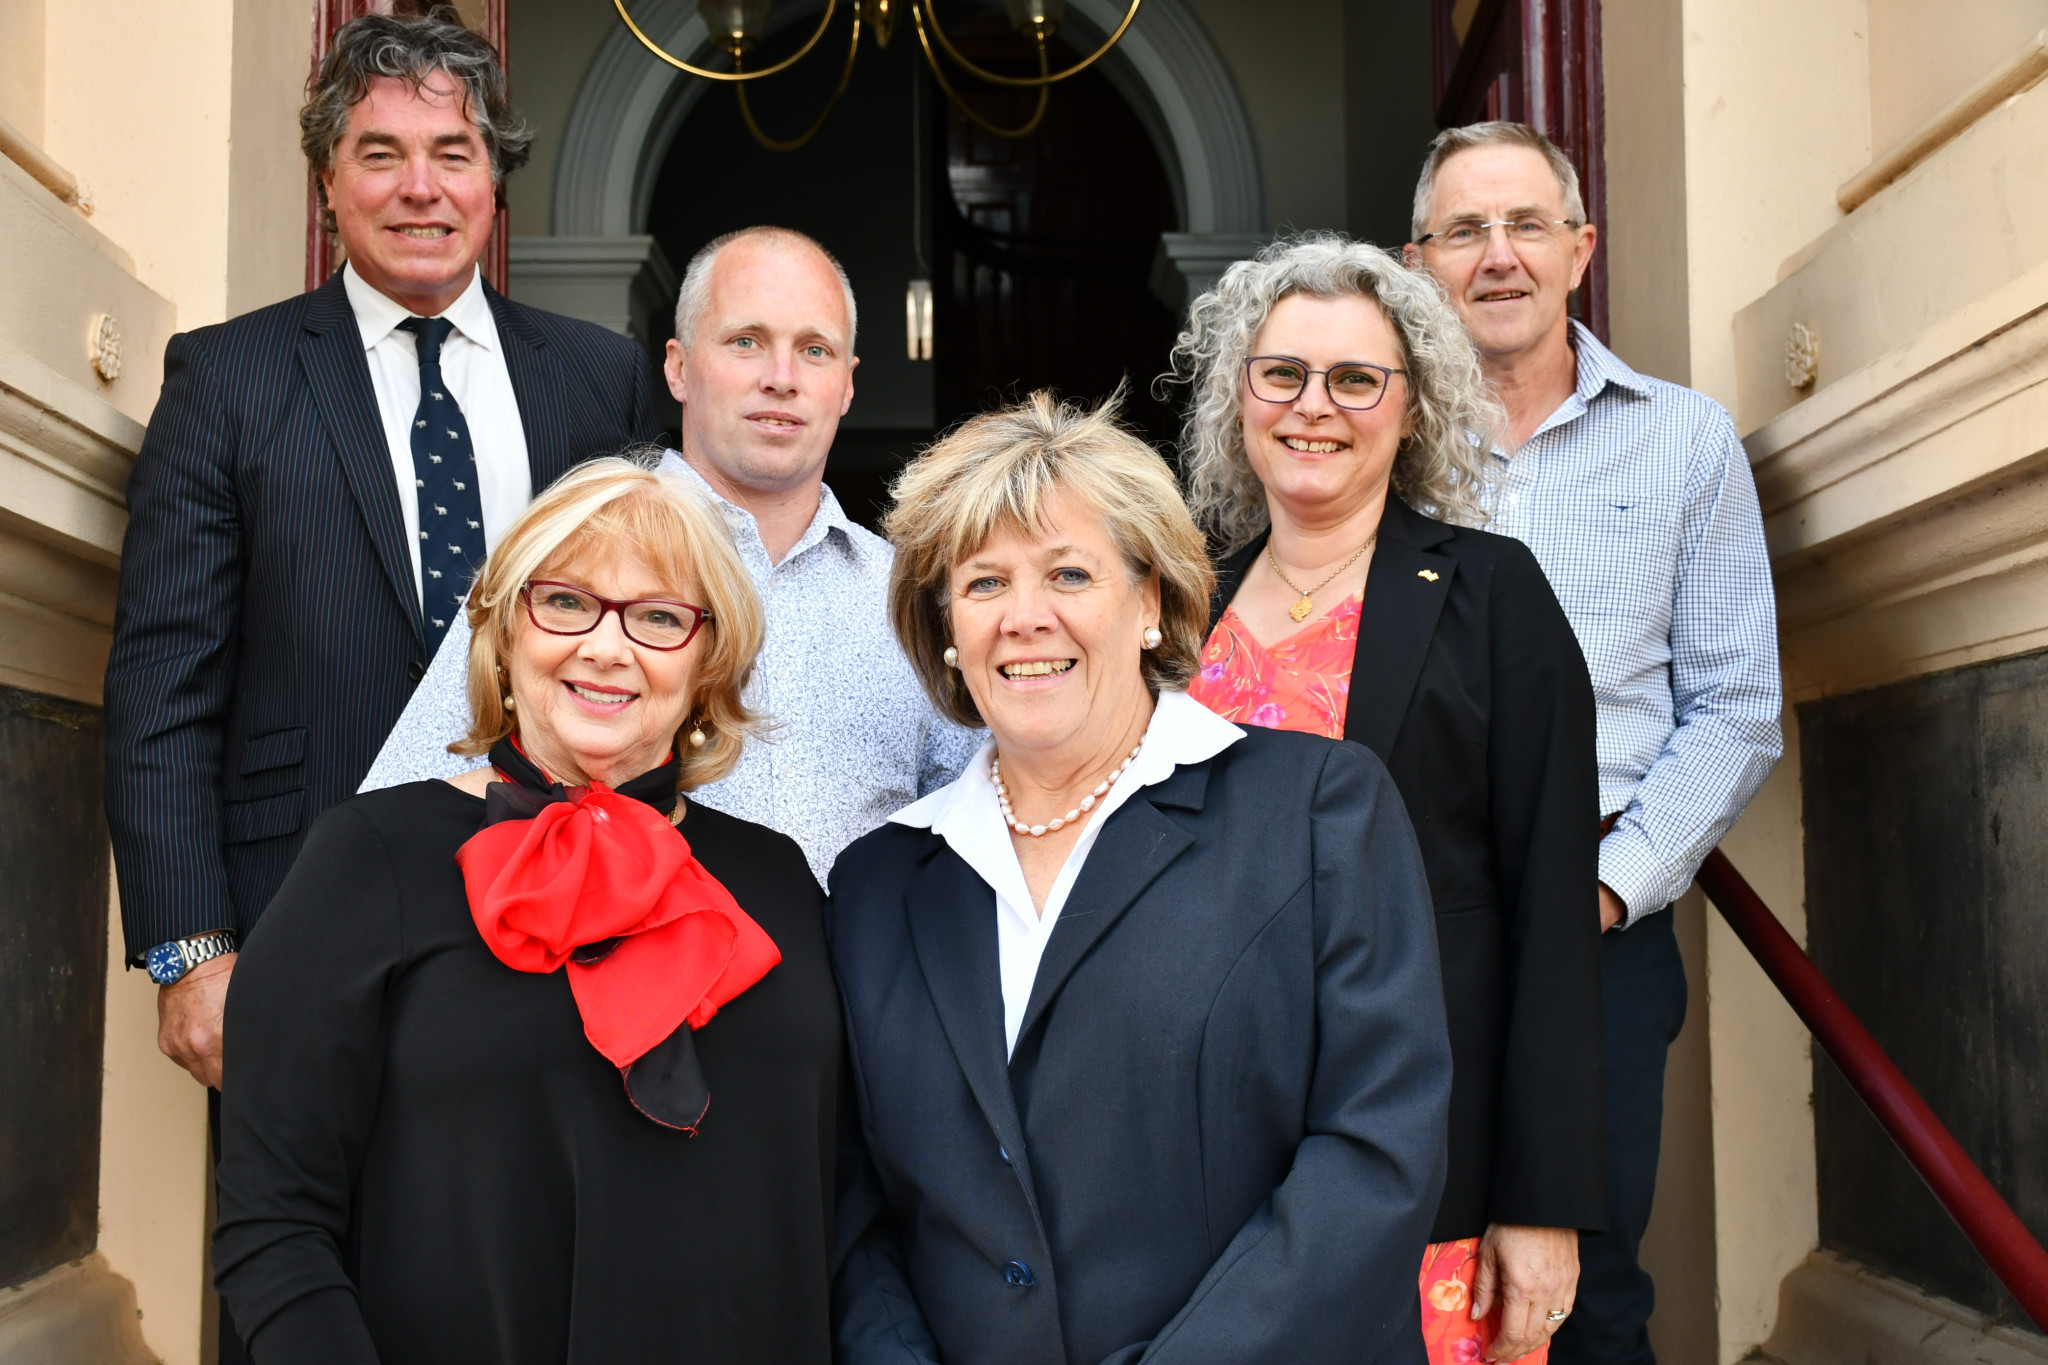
{"x":1044,"y":246}
{"x":1536,"y":62}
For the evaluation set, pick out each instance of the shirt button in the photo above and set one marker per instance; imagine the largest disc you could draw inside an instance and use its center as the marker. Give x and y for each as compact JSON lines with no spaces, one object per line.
{"x":1018,"y":1274}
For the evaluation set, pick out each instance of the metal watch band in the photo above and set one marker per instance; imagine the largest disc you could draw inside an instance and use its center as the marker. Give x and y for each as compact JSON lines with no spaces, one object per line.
{"x":205,"y":947}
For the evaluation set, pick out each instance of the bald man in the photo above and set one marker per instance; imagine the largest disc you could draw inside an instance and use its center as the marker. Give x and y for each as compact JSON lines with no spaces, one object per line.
{"x":762,"y":362}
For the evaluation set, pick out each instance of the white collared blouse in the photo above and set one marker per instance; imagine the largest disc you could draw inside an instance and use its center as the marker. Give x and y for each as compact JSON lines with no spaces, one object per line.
{"x":965,"y":814}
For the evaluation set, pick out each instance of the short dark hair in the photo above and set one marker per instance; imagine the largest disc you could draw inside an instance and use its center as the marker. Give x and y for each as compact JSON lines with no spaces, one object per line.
{"x":411,"y":50}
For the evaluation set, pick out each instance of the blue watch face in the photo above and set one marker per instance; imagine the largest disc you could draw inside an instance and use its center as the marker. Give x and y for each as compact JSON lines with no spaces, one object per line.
{"x":166,"y":963}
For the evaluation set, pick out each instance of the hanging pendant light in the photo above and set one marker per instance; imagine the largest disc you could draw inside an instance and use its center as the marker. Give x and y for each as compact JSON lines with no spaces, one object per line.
{"x":737,"y":26}
{"x":1036,"y":18}
{"x":917,"y":319}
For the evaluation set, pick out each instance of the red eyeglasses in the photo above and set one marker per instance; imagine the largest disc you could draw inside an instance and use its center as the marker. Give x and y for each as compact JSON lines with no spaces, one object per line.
{"x":656,"y":622}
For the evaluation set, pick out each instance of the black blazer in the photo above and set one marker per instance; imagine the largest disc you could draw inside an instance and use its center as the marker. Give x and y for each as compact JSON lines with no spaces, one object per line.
{"x":267,"y":632}
{"x":1221,"y":1135}
{"x":1469,"y":685}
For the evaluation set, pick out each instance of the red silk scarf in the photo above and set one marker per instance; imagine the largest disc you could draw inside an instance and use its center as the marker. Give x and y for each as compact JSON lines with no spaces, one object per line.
{"x":558,"y":888}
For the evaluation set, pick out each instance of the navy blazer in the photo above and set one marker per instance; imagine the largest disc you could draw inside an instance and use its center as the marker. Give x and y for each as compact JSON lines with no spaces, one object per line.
{"x":1468,"y":683}
{"x":267,"y":632}
{"x":1221,"y":1134}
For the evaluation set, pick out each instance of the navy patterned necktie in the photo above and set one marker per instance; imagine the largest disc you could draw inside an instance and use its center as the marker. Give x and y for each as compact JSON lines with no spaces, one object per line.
{"x":444,"y":477}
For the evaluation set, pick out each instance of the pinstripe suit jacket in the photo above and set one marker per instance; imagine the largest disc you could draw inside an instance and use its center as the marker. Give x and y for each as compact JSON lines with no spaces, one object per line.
{"x":268,"y":631}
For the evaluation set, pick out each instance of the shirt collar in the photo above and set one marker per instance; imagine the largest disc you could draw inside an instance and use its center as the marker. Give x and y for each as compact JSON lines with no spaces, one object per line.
{"x":378,"y":315}
{"x":1596,"y":367}
{"x":1599,"y":367}
{"x":829,"y":517}
{"x":1181,"y":733}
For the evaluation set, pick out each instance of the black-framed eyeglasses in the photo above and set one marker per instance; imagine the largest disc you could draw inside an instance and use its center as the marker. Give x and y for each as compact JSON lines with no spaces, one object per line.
{"x":1356,"y":385}
{"x":1469,"y":234}
{"x":656,"y":622}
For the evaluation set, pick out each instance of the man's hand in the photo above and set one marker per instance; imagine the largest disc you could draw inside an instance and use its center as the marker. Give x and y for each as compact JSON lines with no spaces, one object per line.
{"x":1529,"y":1272}
{"x":1612,"y":911}
{"x":188,"y":1015}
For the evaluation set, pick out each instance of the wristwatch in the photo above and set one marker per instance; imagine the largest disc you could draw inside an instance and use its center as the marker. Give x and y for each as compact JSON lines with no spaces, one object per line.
{"x":168,"y":962}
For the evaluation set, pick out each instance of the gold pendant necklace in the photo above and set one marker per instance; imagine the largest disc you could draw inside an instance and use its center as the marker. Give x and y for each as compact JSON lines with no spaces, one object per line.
{"x":1300,"y":610}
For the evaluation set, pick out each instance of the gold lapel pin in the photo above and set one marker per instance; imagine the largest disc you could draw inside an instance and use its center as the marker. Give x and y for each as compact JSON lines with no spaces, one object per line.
{"x":1430,"y":574}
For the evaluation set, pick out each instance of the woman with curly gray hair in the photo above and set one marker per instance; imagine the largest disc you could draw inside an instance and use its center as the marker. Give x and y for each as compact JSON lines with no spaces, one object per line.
{"x":1336,"y":448}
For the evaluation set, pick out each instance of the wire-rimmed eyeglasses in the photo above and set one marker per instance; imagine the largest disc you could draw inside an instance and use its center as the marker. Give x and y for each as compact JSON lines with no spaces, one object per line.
{"x":1469,"y":234}
{"x":656,"y":622}
{"x":1355,"y":385}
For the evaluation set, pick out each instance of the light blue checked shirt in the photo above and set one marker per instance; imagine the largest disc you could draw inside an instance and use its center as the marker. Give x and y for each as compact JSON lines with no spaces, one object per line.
{"x":1636,"y":497}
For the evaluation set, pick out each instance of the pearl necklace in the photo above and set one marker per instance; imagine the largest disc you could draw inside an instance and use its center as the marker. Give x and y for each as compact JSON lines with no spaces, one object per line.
{"x":995,"y":772}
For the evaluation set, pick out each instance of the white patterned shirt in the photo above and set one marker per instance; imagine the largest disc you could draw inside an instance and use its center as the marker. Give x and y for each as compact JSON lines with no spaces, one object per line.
{"x":1637,"y":499}
{"x":854,"y":736}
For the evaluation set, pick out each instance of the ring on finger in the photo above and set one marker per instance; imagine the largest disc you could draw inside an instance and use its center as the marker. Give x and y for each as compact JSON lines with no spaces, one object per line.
{"x":1557,"y":1315}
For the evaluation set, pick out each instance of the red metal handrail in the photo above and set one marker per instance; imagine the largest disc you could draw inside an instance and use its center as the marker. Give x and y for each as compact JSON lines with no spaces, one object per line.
{"x":1985,"y":1218}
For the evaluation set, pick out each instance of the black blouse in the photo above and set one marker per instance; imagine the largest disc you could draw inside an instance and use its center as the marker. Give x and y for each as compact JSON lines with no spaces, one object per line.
{"x":423,"y":1159}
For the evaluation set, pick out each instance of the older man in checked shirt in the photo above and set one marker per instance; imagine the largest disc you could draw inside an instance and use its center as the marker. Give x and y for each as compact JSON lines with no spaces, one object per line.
{"x":763,"y":366}
{"x":1636,"y":497}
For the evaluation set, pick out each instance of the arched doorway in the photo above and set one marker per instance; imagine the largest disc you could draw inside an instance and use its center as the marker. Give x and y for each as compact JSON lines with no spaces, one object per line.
{"x":627,"y":127}
{"x":1045,"y":246}
{"x":1039,"y":249}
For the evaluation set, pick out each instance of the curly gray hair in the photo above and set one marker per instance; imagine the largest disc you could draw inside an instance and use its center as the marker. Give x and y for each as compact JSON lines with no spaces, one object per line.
{"x":411,"y":50}
{"x":1441,"y":468}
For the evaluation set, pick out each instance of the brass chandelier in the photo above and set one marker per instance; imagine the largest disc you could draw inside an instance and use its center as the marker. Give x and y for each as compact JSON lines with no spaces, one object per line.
{"x":738,"y":25}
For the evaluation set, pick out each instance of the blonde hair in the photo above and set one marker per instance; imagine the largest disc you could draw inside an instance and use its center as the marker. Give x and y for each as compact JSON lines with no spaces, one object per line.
{"x":1440,"y":469}
{"x":1000,"y":469}
{"x":610,"y":508}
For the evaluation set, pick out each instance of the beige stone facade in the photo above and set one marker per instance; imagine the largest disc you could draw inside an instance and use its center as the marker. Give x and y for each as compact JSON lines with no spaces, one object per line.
{"x":1871,"y":173}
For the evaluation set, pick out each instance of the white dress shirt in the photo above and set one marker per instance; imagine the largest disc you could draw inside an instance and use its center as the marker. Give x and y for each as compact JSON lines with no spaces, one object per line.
{"x":1637,"y":499}
{"x":473,"y":364}
{"x":855,"y":736}
{"x":965,"y":814}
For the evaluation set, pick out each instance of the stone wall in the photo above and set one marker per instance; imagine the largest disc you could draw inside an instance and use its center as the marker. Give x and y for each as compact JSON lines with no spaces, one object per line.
{"x":1927,"y":907}
{"x":53,"y":968}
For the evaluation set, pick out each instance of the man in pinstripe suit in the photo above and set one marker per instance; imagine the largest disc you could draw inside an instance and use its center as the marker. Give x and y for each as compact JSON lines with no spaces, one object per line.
{"x":318,"y":482}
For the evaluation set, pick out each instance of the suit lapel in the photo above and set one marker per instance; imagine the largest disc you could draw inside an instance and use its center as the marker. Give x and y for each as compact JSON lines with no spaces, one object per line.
{"x":1133,"y":849}
{"x":537,"y":384}
{"x":331,"y":355}
{"x":1404,"y":596}
{"x":953,"y":927}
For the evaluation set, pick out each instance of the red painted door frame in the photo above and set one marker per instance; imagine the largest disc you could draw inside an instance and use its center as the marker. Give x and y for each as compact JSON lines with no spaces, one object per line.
{"x":328,"y":17}
{"x":1537,"y":62}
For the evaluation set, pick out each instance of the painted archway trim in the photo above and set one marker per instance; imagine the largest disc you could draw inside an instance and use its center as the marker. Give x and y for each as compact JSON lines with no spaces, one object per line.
{"x":629,"y":106}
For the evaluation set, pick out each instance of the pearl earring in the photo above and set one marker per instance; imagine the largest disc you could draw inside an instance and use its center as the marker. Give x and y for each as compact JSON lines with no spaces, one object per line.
{"x":1152,"y":637}
{"x":509,"y":703}
{"x":697,"y":738}
{"x":952,"y":657}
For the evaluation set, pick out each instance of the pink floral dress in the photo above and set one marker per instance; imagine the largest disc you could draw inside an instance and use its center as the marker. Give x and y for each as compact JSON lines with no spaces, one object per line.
{"x":1304,"y":683}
